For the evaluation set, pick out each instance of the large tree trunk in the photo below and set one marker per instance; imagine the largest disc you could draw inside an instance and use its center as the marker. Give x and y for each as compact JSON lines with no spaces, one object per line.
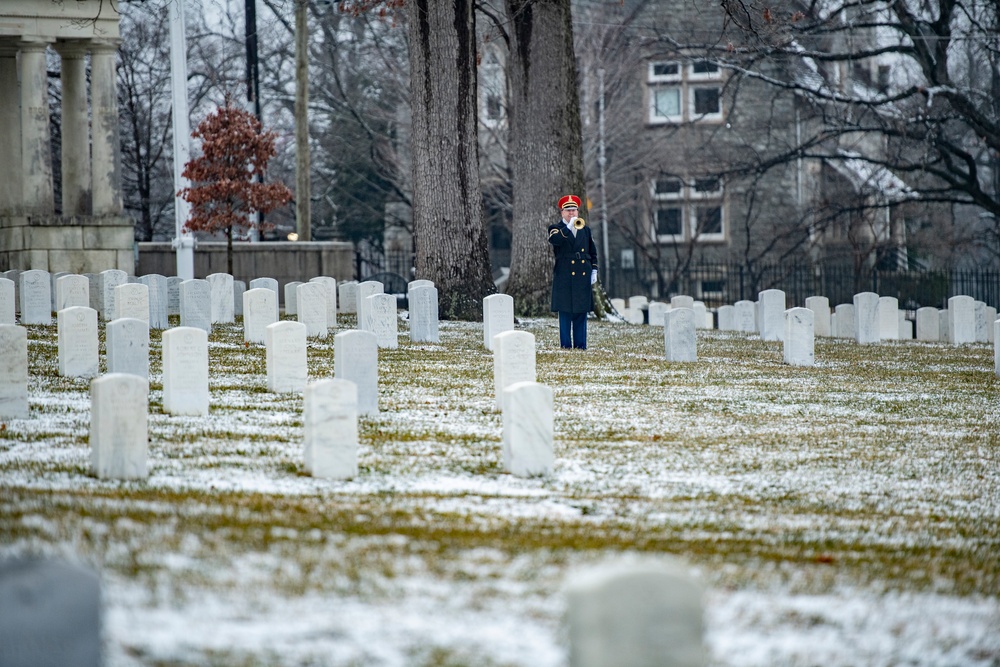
{"x":448,"y":225}
{"x":545,"y":146}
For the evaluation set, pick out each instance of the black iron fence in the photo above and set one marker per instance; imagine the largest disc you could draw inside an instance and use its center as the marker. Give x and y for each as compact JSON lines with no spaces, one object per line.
{"x":726,"y":283}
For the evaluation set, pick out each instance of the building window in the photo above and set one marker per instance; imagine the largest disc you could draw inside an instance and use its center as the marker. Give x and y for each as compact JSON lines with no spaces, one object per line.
{"x":681,"y":92}
{"x":688,"y":210}
{"x":707,"y":223}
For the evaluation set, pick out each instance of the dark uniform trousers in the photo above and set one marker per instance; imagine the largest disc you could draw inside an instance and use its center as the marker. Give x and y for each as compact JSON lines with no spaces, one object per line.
{"x":572,"y":294}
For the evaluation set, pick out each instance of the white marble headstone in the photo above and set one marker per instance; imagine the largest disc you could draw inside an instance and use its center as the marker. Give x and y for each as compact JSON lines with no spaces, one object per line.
{"x":928,"y":324}
{"x":331,"y":299}
{"x":984,"y":324}
{"x":72,"y":290}
{"x":888,"y":318}
{"x":702,"y":316}
{"x":961,"y":320}
{"x":53,"y":278}
{"x":330,"y":425}
{"x":800,"y":337}
{"x":382,"y":320}
{"x":682,"y":301}
{"x":528,"y":431}
{"x":311,"y":308}
{"x":291,"y":297}
{"x":7,"y":308}
{"x":196,"y":304}
{"x":513,"y":361}
{"x":657,"y":313}
{"x":943,"y":326}
{"x":36,"y":297}
{"x":746,"y":316}
{"x":355,"y":358}
{"x":366,"y":289}
{"x":132,"y":301}
{"x":679,"y":335}
{"x":159,"y":296}
{"x":645,"y":614}
{"x":50,"y":614}
{"x":423,"y":282}
{"x":77,"y":340}
{"x":239,"y":287}
{"x":259,"y":310}
{"x":347,"y":296}
{"x":185,"y":371}
{"x":637,"y":302}
{"x":119,"y":435}
{"x":727,"y":318}
{"x":423,"y":303}
{"x":996,"y":348}
{"x":14,"y":276}
{"x":174,"y":295}
{"x":498,"y":316}
{"x":846,"y":327}
{"x":127,"y":345}
{"x":820,"y":305}
{"x":108,"y":281}
{"x":271,"y":284}
{"x":866,"y":322}
{"x":286,"y":356}
{"x":772,"y":314}
{"x":618,"y":305}
{"x":221,"y":289}
{"x":13,"y":372}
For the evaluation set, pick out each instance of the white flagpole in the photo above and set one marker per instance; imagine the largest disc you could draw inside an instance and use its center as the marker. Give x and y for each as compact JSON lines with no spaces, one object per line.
{"x":183,"y":241}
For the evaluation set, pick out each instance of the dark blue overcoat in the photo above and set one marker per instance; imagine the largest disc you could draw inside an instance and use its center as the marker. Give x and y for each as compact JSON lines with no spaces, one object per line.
{"x":575,"y":256}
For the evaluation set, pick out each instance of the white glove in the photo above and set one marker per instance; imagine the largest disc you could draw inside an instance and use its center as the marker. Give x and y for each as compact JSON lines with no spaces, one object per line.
{"x":593,"y":276}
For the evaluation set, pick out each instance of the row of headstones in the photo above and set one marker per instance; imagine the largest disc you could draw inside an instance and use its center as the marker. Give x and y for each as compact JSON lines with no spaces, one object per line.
{"x":118,"y":450}
{"x":618,"y":613}
{"x":870,"y":318}
{"x":119,"y":401}
{"x":218,"y":298}
{"x":966,"y":320}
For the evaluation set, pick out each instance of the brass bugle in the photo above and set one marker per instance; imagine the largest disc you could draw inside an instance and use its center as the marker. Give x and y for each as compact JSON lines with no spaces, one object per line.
{"x":579,"y":223}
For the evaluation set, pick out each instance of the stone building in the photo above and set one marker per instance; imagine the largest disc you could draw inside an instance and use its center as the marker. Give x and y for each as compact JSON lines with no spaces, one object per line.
{"x":702,"y":168}
{"x":65,"y":216}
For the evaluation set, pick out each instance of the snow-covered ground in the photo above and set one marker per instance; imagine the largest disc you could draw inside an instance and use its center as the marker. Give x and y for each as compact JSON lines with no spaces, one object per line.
{"x":845,"y":514}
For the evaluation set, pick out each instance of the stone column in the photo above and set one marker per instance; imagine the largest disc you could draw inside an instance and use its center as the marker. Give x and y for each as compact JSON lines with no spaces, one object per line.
{"x":36,"y":152}
{"x":105,"y":151}
{"x":75,"y":129}
{"x":10,"y":137}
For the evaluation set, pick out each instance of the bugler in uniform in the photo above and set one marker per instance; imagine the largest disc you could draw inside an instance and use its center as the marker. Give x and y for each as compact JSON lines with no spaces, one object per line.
{"x":573,"y":274}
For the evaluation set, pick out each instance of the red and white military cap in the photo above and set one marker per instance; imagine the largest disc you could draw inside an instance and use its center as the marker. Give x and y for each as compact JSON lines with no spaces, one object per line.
{"x":569,"y":201}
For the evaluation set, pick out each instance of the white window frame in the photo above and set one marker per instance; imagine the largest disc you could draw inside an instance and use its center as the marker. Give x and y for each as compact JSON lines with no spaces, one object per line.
{"x":693,"y":215}
{"x":704,"y":76}
{"x":685,"y":81}
{"x":656,"y":118}
{"x":696,"y":117}
{"x":653,"y":77}
{"x":689,"y":201}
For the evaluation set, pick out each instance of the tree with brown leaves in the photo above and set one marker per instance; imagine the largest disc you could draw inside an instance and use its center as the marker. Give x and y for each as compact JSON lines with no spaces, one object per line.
{"x":225,"y":191}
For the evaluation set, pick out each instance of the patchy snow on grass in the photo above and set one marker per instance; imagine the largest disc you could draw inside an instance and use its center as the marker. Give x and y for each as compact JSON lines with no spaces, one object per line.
{"x":843,"y":514}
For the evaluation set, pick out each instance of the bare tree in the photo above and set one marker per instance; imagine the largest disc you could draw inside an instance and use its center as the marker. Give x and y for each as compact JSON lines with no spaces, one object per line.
{"x":545,"y":152}
{"x":145,"y":109}
{"x":448,"y":223}
{"x":899,"y":87}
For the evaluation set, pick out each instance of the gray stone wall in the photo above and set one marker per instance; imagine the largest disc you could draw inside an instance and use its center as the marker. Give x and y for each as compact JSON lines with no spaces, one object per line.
{"x":285,"y":262}
{"x":75,"y":244}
